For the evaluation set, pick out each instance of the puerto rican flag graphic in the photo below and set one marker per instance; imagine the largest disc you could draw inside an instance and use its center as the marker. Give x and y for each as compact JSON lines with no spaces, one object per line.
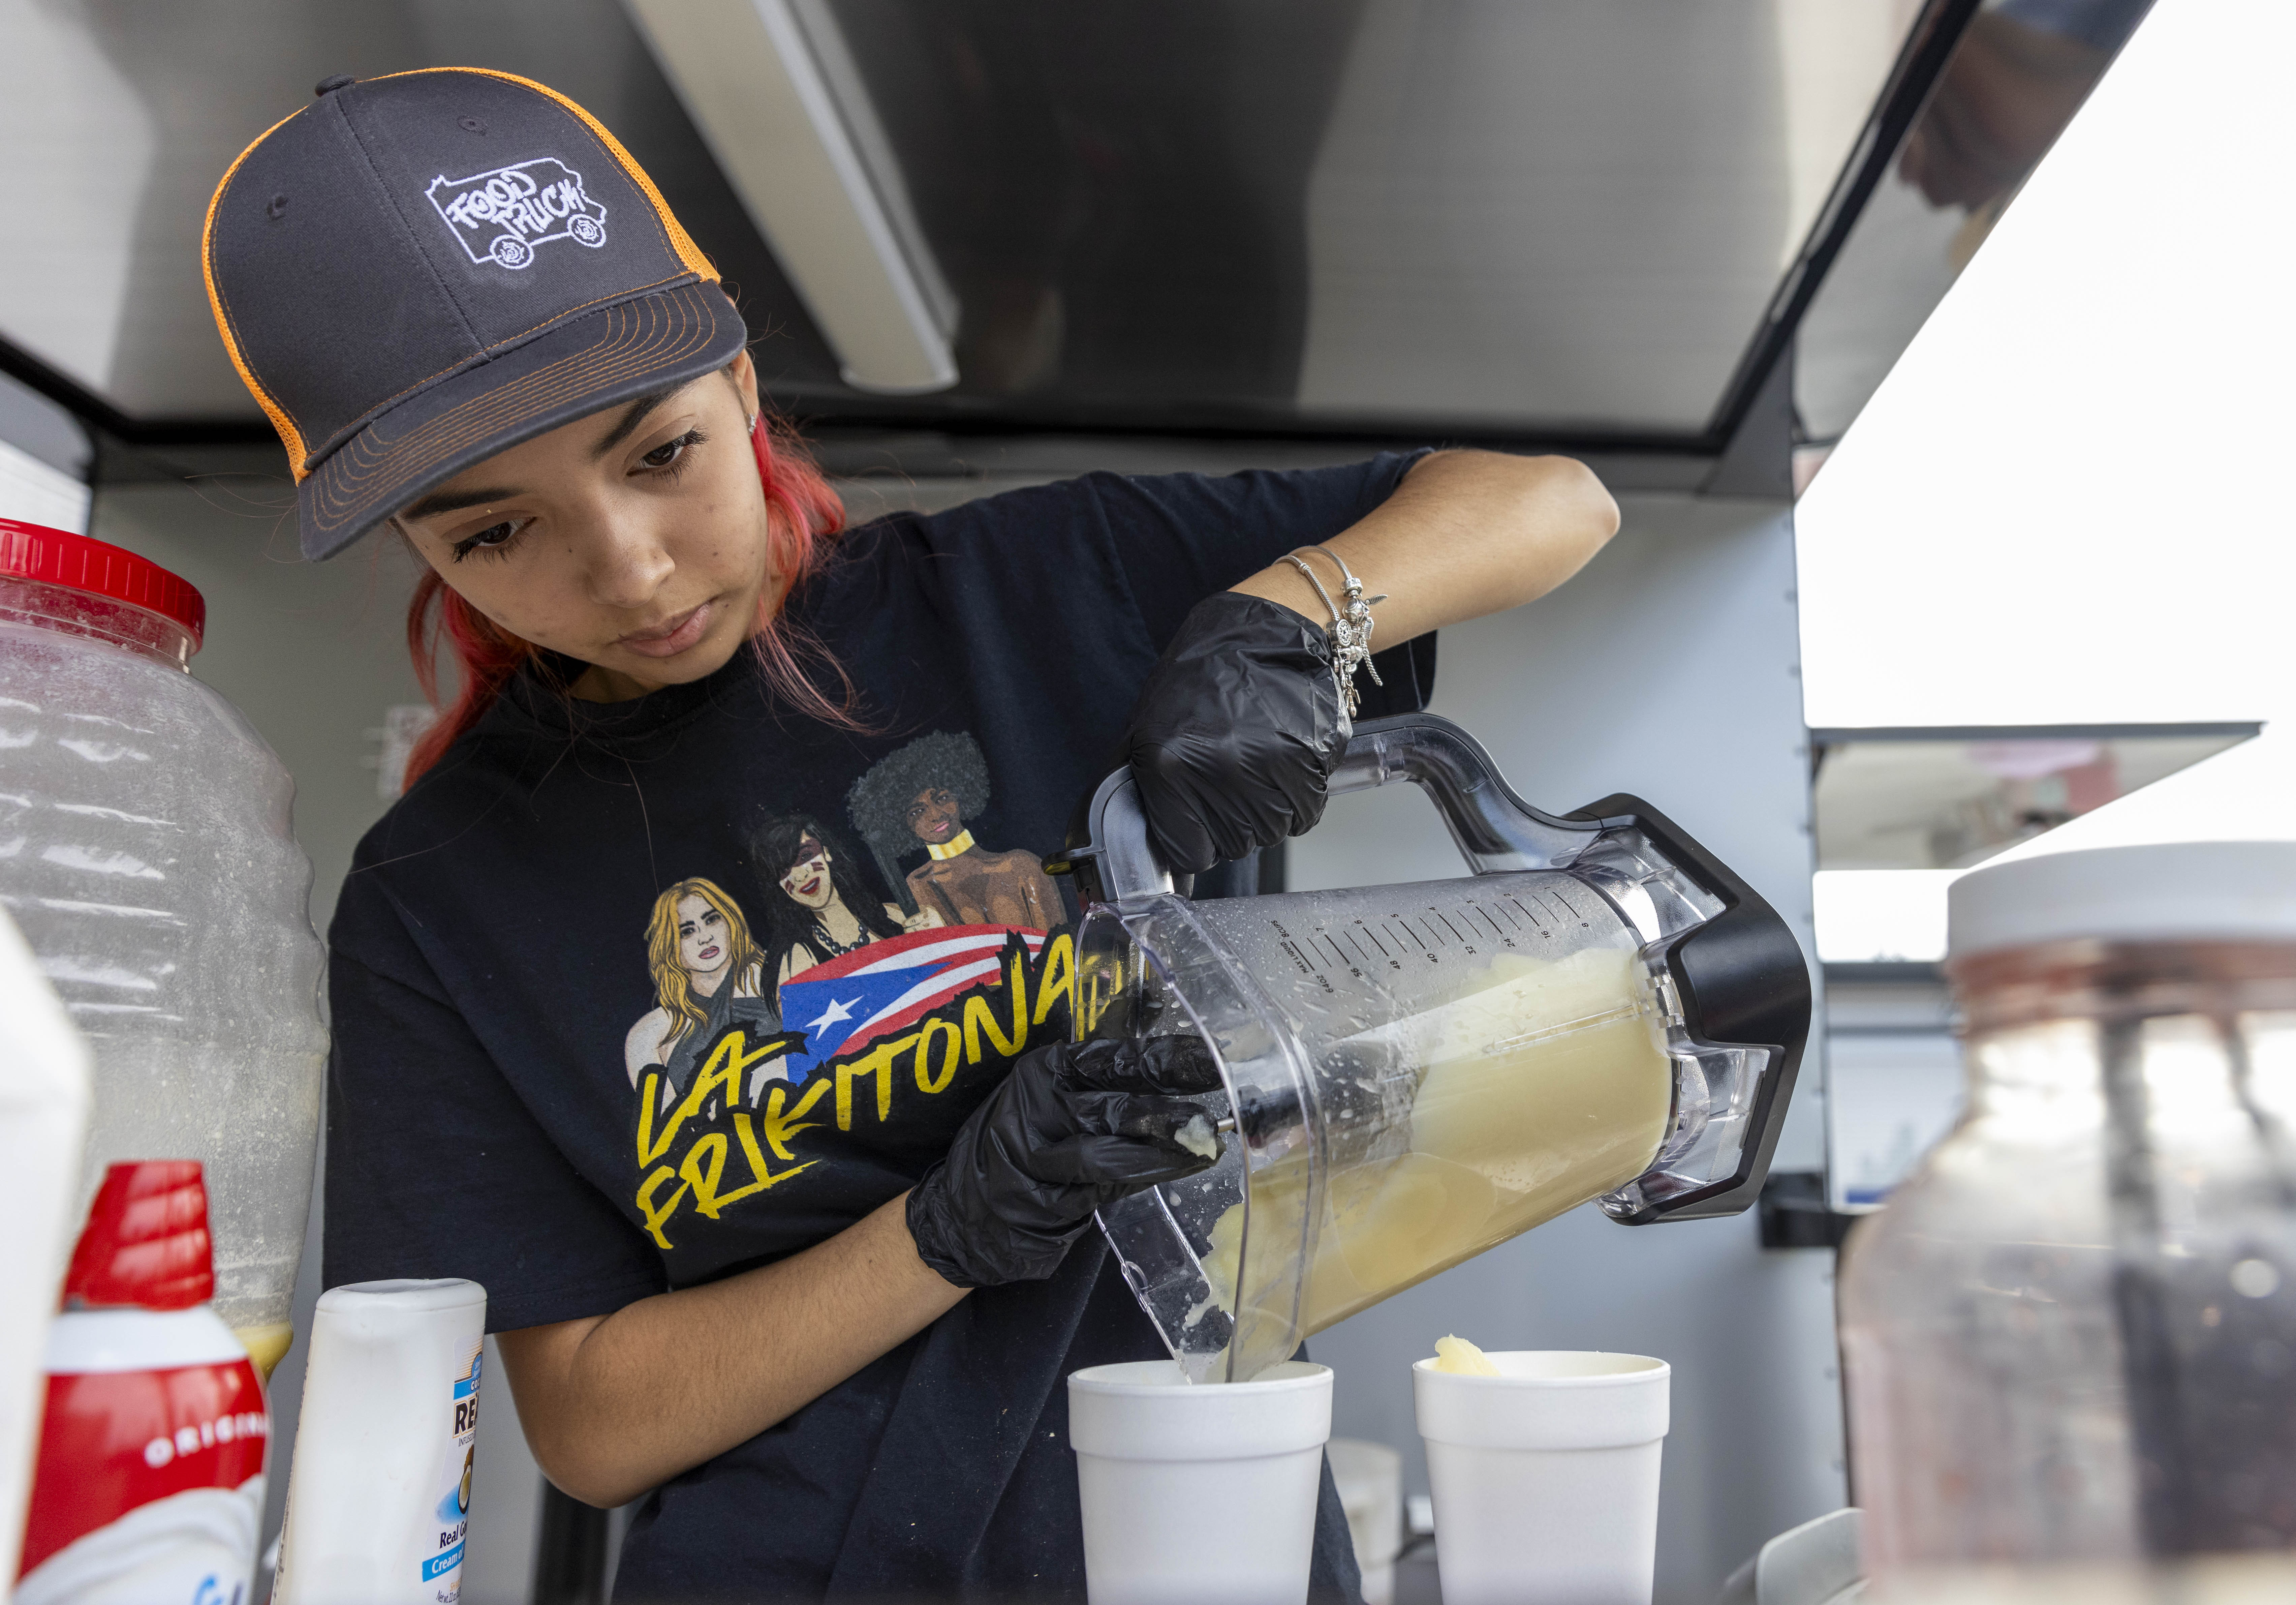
{"x":881,"y":989}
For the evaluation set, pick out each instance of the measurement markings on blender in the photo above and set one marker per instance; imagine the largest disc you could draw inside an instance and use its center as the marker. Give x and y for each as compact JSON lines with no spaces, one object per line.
{"x":1291,"y":951}
{"x":1307,"y":960}
{"x":1496,"y":928}
{"x":1480,"y":912}
{"x":1570,"y":910}
{"x":1423,"y":934}
{"x":1536,"y":923}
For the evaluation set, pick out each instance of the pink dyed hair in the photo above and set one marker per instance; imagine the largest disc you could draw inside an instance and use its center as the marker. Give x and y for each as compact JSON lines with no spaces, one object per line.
{"x":803,"y":517}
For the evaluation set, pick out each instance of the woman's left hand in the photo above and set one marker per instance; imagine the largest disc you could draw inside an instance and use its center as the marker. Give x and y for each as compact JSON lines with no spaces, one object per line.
{"x":1236,"y":733}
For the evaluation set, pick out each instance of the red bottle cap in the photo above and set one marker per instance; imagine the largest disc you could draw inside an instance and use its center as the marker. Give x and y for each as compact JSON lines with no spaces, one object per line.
{"x":146,"y":1241}
{"x":31,"y":551}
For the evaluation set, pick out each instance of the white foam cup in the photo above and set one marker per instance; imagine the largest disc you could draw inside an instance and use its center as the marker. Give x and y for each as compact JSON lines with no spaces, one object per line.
{"x":1198,"y":1493}
{"x":1545,"y":1477}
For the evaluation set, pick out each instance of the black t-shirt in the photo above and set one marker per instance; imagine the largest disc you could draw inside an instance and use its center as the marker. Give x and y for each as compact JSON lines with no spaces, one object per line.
{"x":633,"y":996}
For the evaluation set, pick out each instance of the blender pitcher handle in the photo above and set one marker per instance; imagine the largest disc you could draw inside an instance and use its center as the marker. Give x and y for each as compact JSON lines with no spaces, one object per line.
{"x":1495,"y":830}
{"x":1110,"y":856}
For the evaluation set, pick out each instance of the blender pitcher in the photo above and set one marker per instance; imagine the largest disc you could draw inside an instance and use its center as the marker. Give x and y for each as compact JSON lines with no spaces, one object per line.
{"x":1418,"y":1072}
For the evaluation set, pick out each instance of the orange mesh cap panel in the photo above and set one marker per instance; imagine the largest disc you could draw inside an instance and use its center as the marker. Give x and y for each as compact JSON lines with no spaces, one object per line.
{"x":288,"y":435}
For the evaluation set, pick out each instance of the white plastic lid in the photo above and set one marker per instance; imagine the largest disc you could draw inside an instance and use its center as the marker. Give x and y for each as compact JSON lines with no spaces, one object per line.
{"x":410,"y":1294}
{"x":2175,"y":891}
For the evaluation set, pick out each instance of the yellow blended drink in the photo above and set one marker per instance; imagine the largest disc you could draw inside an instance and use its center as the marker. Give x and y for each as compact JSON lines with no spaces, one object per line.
{"x":1540,"y":1085}
{"x":1415,"y":1074}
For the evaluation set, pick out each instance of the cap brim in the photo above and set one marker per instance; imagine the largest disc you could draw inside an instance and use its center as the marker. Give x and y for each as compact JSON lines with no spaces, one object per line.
{"x":631,"y":348}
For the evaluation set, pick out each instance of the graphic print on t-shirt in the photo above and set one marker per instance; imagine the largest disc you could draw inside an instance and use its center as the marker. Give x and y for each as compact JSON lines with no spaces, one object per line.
{"x":904,"y":1026}
{"x":817,"y":903}
{"x":838,"y":1020}
{"x":920,"y":796}
{"x":902,"y":983}
{"x":707,"y":973}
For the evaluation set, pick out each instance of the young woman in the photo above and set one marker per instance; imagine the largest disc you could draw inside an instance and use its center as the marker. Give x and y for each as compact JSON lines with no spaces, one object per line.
{"x":822,"y":1336}
{"x":820,"y":908}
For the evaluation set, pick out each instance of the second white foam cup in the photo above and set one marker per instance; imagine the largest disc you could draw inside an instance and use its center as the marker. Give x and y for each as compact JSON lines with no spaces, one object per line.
{"x":1198,"y":1492}
{"x":1545,"y":1477}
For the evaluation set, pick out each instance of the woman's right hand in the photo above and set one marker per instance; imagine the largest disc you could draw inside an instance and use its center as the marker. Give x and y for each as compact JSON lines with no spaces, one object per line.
{"x":1075,"y":1126}
{"x":1236,"y":732}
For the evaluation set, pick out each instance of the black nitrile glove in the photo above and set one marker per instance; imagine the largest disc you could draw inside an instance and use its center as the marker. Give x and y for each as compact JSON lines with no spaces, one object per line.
{"x":1074,"y":1126}
{"x":1236,"y":733}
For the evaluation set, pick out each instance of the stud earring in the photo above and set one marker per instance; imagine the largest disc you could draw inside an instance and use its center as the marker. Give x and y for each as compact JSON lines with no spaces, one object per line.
{"x":753,"y":425}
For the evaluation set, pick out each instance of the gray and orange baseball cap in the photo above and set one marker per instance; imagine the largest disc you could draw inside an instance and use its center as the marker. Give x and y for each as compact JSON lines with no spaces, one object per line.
{"x":414,"y":272}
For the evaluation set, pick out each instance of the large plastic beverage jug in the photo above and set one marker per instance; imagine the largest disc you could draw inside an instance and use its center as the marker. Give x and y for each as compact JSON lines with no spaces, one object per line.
{"x":1414,"y":1073}
{"x":154,"y":872}
{"x":2069,"y":1338}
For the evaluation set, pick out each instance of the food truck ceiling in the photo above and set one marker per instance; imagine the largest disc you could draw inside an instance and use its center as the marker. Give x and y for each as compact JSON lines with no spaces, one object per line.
{"x":1591,"y":223}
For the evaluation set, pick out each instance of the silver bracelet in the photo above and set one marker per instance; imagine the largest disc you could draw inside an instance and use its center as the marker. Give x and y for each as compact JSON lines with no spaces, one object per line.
{"x":1350,"y":626}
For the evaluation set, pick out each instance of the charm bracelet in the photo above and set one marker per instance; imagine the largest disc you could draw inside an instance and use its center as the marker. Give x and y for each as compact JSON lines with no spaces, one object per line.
{"x":1350,"y":626}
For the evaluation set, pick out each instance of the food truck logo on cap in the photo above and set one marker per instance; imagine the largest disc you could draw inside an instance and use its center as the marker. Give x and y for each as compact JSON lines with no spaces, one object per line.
{"x":500,"y":215}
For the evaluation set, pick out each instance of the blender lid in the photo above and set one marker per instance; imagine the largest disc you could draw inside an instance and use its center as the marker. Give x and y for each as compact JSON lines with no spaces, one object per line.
{"x":2172,"y":891}
{"x":31,"y":551}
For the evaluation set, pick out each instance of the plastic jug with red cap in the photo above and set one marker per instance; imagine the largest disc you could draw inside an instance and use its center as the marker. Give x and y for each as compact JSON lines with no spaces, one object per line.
{"x":157,"y":881}
{"x":149,"y":1484}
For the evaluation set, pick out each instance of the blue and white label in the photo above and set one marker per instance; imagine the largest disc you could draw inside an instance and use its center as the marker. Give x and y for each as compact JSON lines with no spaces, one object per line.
{"x":502,"y":215}
{"x":452,"y":1512}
